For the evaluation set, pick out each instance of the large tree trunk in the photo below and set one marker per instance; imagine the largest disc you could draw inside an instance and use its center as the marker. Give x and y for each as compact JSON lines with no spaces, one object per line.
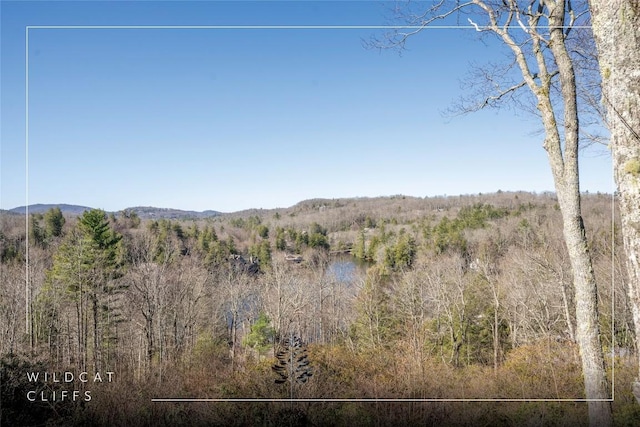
{"x":616,"y":27}
{"x":562,"y":152}
{"x":588,"y":329}
{"x":565,"y":173}
{"x":566,"y":177}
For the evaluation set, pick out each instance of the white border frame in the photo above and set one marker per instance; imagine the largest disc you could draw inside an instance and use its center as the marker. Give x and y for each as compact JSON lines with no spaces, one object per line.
{"x":293,"y":27}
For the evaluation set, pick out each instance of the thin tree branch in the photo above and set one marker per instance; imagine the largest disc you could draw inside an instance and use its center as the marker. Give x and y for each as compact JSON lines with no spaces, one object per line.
{"x":497,"y":97}
{"x":398,"y":39}
{"x":622,"y":119}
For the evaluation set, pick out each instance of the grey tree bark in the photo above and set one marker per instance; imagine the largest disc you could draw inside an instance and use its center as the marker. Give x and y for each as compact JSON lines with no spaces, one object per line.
{"x":536,"y":32}
{"x":616,"y":28}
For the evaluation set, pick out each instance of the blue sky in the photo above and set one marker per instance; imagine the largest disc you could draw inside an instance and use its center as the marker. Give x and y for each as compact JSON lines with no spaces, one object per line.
{"x":230,"y":119}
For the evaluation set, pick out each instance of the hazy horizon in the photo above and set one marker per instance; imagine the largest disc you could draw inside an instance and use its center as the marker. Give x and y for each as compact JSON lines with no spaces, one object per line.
{"x":119,"y":209}
{"x":234,"y":118}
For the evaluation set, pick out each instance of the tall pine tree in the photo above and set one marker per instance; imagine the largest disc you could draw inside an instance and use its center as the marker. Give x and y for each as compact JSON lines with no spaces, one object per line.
{"x":85,"y":270}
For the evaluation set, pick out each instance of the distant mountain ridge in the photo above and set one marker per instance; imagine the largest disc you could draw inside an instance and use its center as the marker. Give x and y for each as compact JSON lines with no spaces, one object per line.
{"x":42,"y":208}
{"x":144,"y":212}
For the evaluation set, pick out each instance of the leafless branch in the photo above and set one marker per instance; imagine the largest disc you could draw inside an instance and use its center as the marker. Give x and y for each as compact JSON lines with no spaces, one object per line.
{"x":494,"y":98}
{"x":398,"y":37}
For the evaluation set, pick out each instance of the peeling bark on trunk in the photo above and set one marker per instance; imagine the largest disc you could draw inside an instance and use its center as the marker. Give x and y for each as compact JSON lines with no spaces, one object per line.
{"x":616,"y":28}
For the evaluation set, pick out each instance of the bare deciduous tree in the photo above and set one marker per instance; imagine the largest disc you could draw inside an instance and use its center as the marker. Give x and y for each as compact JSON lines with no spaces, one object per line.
{"x":285,"y":298}
{"x":11,"y":305}
{"x":536,"y":34}
{"x":447,"y":286}
{"x":148,"y":291}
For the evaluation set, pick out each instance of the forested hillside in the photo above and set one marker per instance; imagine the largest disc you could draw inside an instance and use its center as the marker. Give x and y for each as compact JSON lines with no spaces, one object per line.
{"x":459,"y":297}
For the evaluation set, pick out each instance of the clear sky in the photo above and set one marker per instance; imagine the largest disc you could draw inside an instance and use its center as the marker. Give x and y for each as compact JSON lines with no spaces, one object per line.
{"x":230,"y":119}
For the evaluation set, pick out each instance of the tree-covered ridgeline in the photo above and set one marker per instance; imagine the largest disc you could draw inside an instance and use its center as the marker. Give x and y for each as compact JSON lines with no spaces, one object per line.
{"x":472,"y":288}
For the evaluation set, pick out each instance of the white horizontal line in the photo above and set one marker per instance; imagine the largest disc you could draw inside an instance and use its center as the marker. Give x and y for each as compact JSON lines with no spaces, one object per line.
{"x":178,"y":400}
{"x":271,"y":27}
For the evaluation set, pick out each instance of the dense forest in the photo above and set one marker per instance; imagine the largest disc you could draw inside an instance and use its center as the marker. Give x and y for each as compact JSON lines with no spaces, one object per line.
{"x":442,"y":298}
